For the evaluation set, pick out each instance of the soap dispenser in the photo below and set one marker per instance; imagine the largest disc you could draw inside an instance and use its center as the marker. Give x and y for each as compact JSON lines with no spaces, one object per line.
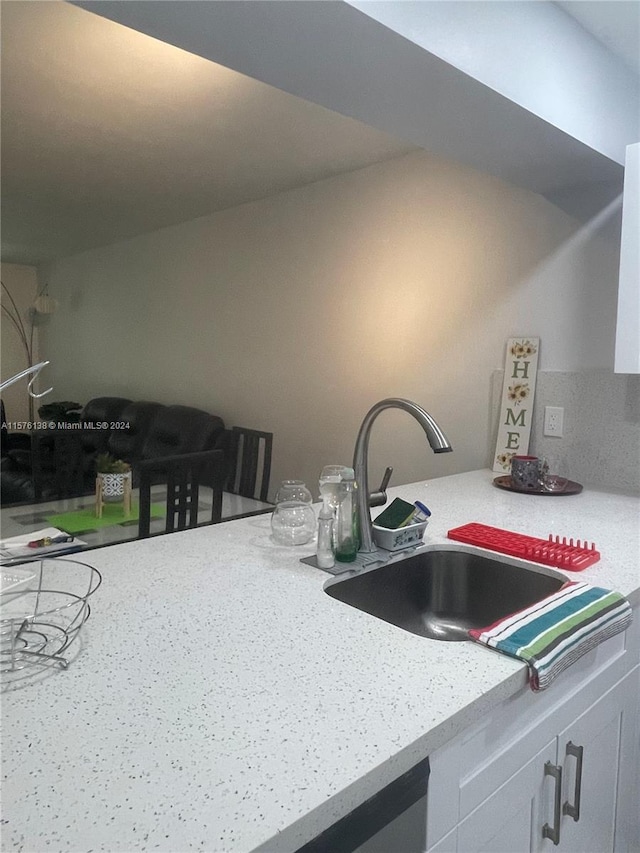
{"x":325,"y":556}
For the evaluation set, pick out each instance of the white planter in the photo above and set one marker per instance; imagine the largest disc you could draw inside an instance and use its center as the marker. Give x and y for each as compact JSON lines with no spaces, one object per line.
{"x":113,"y":486}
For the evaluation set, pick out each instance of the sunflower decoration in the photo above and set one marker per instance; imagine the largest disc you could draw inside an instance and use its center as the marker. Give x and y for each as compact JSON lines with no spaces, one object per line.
{"x":518,"y":393}
{"x":523,"y":349}
{"x":504,"y":460}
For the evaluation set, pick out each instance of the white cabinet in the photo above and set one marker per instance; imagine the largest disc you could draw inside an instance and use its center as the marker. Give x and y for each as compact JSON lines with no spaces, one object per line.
{"x":627,"y":356}
{"x":551,"y":771}
{"x":589,"y":753}
{"x":566,"y":795}
{"x":511,"y":819}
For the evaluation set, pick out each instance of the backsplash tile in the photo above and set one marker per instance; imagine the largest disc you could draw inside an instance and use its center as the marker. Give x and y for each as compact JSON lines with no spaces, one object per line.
{"x":601,"y":442}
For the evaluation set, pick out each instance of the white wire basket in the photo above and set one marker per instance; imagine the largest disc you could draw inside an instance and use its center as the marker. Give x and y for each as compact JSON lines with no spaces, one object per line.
{"x":43,"y":606}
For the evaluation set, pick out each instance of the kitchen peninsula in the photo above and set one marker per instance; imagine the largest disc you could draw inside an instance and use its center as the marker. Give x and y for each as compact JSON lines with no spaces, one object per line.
{"x":220,"y":701}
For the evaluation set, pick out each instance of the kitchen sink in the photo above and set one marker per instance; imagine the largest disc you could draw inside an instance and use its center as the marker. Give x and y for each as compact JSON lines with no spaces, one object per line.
{"x":443,"y":592}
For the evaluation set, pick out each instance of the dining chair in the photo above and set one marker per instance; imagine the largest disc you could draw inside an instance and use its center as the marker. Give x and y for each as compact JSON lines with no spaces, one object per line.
{"x":183,"y":475}
{"x":251,"y":449}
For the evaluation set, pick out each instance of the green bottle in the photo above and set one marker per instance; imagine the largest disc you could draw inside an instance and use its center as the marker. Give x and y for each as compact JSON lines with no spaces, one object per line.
{"x":347,"y":539}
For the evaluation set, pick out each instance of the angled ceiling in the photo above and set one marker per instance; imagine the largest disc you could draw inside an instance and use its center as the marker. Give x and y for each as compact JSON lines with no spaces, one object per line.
{"x":108,"y":133}
{"x":615,"y":23}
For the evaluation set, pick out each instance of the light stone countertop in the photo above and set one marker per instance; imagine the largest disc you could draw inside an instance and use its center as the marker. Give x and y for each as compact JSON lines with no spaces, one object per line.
{"x":221,"y":701}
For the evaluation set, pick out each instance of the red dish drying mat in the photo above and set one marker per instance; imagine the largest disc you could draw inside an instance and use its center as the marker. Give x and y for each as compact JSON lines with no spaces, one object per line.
{"x":550,"y":552}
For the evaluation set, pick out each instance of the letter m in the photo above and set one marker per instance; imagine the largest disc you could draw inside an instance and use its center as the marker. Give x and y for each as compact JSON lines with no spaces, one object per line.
{"x":516,"y":421}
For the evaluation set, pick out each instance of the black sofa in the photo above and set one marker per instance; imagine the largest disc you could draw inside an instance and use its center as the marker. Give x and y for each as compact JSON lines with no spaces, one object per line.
{"x":62,"y":462}
{"x":15,"y":453}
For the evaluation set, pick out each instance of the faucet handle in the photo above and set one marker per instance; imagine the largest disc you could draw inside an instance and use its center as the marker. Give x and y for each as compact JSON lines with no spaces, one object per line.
{"x":379,"y":498}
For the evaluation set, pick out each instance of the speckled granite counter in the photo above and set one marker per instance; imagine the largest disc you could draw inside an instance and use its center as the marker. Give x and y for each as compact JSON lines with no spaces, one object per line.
{"x":220,"y":701}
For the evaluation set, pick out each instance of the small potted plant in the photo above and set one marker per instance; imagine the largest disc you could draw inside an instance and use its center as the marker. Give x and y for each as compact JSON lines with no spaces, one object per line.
{"x":113,"y":474}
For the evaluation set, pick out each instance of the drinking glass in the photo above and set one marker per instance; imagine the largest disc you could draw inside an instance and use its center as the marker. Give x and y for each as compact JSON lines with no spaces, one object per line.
{"x":552,"y":482}
{"x":329,"y":482}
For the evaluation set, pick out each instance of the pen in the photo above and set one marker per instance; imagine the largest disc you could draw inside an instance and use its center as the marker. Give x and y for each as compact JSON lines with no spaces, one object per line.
{"x":50,"y":540}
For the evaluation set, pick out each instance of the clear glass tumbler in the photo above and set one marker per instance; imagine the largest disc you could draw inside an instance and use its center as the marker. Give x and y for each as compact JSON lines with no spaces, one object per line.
{"x":329,"y":483}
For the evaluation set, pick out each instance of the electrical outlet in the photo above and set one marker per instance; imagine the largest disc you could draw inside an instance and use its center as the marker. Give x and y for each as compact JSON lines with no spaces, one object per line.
{"x":553,"y":421}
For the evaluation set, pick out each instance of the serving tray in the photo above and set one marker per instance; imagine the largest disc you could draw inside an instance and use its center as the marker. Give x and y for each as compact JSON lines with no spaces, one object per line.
{"x":570,"y":488}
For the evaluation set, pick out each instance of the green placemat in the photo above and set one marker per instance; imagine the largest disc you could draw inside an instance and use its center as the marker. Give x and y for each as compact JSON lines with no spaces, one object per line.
{"x":84,"y":520}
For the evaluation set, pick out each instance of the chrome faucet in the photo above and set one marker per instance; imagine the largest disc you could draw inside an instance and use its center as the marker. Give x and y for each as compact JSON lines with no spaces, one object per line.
{"x":437,"y":439}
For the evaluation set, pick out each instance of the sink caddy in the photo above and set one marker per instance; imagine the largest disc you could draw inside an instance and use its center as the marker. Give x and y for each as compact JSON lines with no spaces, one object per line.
{"x":399,"y":538}
{"x":550,"y":552}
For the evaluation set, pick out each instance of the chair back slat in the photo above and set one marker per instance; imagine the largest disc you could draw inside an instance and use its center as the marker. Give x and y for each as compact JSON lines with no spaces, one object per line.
{"x":144,"y":508}
{"x":249,"y":469}
{"x":183,"y":475}
{"x":57,"y":463}
{"x":252,"y":449}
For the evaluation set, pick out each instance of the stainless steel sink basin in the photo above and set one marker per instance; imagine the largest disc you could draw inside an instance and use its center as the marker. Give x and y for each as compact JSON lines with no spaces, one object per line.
{"x":442,"y":593}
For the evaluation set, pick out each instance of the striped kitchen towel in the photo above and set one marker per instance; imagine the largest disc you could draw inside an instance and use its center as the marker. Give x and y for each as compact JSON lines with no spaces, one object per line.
{"x":553,"y":633}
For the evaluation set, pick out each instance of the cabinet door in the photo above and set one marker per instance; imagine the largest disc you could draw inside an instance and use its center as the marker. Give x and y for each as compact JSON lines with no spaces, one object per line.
{"x":628,"y":810}
{"x":590,"y":753}
{"x":627,"y":357}
{"x":511,"y":820}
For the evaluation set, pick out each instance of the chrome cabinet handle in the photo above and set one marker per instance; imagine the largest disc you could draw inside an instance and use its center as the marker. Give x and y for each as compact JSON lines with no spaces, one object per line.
{"x":553,"y":832}
{"x":568,"y":809}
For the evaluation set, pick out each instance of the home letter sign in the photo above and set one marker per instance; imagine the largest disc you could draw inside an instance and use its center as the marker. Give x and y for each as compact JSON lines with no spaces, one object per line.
{"x":516,"y":409}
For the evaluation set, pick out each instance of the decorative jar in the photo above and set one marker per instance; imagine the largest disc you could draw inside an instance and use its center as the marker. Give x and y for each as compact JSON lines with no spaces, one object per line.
{"x":293,"y":523}
{"x":293,"y":490}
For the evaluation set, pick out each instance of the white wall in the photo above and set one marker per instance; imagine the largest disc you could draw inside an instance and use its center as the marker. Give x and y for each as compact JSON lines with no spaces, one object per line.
{"x":533,"y":53}
{"x":296,"y":313}
{"x":22,"y":283}
{"x":601,"y":429}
